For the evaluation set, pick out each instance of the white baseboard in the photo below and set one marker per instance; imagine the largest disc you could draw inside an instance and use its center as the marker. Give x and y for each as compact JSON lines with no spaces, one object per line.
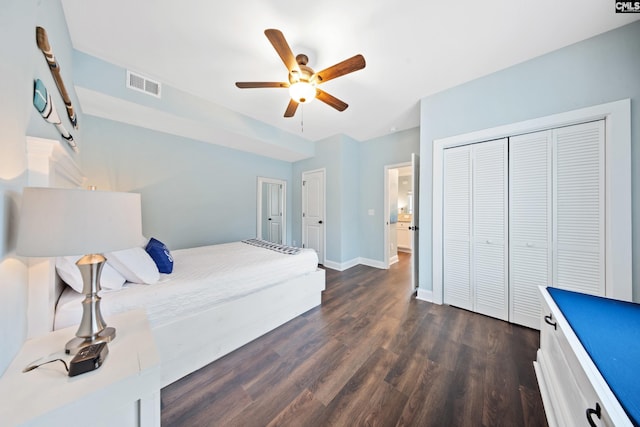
{"x":424,"y":295}
{"x":393,"y":259}
{"x":372,"y":263}
{"x":341,"y":266}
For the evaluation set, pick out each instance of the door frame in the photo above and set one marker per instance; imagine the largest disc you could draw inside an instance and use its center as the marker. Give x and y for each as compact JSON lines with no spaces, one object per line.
{"x":617,"y":116}
{"x":387,"y":217}
{"x":263,"y":180}
{"x":303,"y":233}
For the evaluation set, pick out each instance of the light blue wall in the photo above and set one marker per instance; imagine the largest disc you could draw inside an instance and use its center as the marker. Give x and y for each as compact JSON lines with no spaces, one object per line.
{"x":328,"y":157}
{"x":375,"y":154}
{"x":193,"y":193}
{"x":599,"y":70}
{"x":101,"y":76}
{"x":21,"y":63}
{"x":350,"y":206}
{"x":355,"y":184}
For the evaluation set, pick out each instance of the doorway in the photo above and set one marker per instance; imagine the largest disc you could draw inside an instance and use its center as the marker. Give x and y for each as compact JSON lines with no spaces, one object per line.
{"x":272,"y":215}
{"x":401,"y":191}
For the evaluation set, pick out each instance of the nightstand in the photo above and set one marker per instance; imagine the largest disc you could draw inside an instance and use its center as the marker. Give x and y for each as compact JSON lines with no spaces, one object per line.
{"x":124,"y":391}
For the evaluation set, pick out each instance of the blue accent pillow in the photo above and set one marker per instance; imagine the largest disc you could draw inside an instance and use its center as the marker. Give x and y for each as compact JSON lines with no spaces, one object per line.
{"x":160,"y":254}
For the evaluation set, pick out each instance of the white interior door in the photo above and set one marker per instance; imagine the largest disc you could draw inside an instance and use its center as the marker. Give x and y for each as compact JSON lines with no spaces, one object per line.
{"x":414,"y":228}
{"x":274,"y":212}
{"x":313,"y":212}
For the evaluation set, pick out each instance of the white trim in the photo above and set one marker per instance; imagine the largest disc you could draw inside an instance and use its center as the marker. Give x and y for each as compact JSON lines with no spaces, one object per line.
{"x":342,"y":266}
{"x":262,"y":180}
{"x":50,"y":165}
{"x":617,"y":116}
{"x":372,"y":263}
{"x":424,"y":295}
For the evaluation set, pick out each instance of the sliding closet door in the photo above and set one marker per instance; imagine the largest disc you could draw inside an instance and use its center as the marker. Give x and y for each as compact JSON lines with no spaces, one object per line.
{"x":529,"y":224}
{"x":489,"y":229}
{"x":457,"y":227}
{"x":578,"y":208}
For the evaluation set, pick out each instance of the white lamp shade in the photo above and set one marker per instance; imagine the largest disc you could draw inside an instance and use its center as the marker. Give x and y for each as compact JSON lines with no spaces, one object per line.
{"x":63,"y":222}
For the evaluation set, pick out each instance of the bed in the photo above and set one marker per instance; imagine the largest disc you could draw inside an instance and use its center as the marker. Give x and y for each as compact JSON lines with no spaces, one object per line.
{"x":189,"y":334}
{"x":587,"y":364}
{"x":217,"y":299}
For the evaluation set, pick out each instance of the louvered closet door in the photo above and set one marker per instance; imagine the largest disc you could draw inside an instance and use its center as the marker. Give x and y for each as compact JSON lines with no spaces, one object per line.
{"x":489,"y":229}
{"x":578,"y":208}
{"x":529,"y":224}
{"x":457,"y":227}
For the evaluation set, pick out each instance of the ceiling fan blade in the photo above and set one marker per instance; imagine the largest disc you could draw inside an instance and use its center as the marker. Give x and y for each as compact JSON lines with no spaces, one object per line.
{"x":282,"y":47}
{"x":291,"y":108}
{"x":347,"y":66}
{"x":251,"y":85}
{"x":331,"y":100}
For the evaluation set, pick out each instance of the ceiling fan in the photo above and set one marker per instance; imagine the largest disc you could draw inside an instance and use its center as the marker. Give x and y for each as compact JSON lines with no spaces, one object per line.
{"x":303,"y":81}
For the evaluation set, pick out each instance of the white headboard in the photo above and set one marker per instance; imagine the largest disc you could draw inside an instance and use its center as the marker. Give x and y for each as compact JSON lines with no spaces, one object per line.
{"x":48,"y":165}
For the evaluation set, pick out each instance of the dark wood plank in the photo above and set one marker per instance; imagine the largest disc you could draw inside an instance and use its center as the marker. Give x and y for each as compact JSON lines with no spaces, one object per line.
{"x":370,"y":355}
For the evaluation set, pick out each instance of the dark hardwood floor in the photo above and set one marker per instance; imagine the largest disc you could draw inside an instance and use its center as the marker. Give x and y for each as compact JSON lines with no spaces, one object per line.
{"x":371,"y":355}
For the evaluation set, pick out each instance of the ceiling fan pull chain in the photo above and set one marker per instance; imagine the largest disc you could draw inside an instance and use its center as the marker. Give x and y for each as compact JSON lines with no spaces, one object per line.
{"x":302,"y":119}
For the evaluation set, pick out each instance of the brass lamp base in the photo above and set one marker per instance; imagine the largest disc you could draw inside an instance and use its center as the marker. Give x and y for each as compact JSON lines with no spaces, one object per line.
{"x":78,"y":343}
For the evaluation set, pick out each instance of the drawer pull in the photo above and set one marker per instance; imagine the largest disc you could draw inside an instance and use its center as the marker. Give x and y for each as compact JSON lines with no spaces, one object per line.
{"x":597,"y":412}
{"x":549,"y":320}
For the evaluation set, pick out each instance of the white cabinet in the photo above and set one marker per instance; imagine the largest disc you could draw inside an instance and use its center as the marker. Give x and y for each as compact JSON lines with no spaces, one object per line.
{"x":573,"y":390}
{"x":124,"y":391}
{"x":403,"y":236}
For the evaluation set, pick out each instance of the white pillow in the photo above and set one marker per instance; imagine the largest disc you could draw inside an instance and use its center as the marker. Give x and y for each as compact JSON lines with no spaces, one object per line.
{"x":135,"y":265}
{"x":70,"y":273}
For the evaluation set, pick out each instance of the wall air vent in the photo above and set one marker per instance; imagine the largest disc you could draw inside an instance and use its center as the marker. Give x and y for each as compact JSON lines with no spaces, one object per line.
{"x":140,"y":83}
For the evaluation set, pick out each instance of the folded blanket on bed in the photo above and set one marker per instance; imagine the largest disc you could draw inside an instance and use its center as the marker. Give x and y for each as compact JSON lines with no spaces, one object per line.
{"x":283,"y":249}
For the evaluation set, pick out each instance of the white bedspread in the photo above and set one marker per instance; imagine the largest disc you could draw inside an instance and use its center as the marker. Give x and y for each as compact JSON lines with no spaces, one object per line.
{"x":202,"y":277}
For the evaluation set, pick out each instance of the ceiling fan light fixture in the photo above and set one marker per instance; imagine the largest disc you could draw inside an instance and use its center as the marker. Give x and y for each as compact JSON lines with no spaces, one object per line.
{"x":302,"y":92}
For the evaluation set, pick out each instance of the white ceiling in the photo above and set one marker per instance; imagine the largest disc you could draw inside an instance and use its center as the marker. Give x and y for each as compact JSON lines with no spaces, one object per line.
{"x":413,"y":48}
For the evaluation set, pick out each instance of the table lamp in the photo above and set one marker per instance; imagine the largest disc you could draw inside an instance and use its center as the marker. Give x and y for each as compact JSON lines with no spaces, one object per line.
{"x":65,"y":222}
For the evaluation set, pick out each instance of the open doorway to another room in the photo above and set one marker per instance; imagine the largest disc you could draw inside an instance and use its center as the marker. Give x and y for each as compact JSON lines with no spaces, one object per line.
{"x":401,"y":202}
{"x":399,"y":211}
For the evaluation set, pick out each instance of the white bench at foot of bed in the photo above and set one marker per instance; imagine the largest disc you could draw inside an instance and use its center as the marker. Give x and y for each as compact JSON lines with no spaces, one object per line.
{"x":191,"y":342}
{"x":573,"y":391}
